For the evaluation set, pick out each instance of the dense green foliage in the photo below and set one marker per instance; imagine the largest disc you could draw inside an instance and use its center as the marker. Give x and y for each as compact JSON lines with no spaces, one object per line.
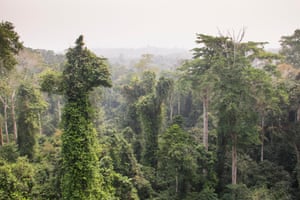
{"x":81,"y":175}
{"x":30,"y":104}
{"x":290,"y":48}
{"x":224,"y":125}
{"x":150,"y":111}
{"x":10,"y":46}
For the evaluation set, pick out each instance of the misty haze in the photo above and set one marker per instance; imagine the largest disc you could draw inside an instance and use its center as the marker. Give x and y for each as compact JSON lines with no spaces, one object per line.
{"x":149,"y":100}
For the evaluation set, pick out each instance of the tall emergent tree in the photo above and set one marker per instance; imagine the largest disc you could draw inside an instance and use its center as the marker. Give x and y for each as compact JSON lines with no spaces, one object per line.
{"x":200,"y":72}
{"x":10,"y":46}
{"x":239,"y":88}
{"x":83,"y":71}
{"x":290,"y":47}
{"x":230,"y":61}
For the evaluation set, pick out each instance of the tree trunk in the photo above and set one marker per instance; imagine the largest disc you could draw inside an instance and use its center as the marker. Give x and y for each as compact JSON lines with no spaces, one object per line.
{"x":5,"y":123}
{"x":5,"y":117}
{"x":234,"y":159}
{"x":298,"y":163}
{"x":171,"y":108}
{"x":13,"y":116}
{"x":176,"y":180}
{"x":1,"y":137}
{"x":205,"y":120}
{"x":298,"y":113}
{"x":40,"y":124}
{"x":171,"y":113}
{"x":59,"y":110}
{"x":262,"y":139}
{"x":178,"y":105}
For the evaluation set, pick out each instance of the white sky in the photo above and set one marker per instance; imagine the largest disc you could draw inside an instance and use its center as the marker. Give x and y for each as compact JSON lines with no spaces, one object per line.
{"x":55,"y":24}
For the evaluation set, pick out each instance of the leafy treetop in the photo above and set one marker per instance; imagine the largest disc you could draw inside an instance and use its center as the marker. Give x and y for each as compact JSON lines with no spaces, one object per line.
{"x":10,"y":45}
{"x":84,"y":71}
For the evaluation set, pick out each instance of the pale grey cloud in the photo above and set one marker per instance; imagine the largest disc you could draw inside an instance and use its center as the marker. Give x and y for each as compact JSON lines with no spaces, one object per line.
{"x":55,"y":24}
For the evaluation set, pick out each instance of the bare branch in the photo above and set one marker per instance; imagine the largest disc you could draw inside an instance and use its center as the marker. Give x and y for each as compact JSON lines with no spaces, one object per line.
{"x":2,"y":100}
{"x":13,"y":95}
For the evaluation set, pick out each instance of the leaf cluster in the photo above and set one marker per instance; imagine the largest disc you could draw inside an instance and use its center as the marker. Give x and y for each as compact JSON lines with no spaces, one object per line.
{"x":10,"y":46}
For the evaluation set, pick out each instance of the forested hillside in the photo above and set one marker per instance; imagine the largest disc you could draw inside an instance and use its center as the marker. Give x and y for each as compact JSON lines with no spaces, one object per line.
{"x":221,"y":122}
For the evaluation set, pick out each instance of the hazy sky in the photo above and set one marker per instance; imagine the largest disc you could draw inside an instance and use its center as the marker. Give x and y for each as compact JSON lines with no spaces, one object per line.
{"x":55,"y":24}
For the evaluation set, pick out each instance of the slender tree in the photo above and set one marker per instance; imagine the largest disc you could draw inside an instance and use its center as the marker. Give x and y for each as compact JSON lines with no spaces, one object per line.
{"x":10,"y":46}
{"x":1,"y":134}
{"x":8,"y":87}
{"x":4,"y":102}
{"x":13,"y":114}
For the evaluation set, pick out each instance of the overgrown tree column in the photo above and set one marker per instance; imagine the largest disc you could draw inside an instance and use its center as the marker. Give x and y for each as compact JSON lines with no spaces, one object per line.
{"x":83,"y":72}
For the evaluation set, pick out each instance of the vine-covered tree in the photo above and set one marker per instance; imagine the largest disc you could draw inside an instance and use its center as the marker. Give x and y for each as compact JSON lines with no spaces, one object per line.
{"x":81,"y":175}
{"x":136,"y":89}
{"x":29,"y":105}
{"x":150,"y":111}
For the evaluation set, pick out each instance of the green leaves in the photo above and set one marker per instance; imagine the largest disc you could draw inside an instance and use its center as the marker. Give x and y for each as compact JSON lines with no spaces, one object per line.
{"x":10,"y":45}
{"x":29,"y":104}
{"x":291,"y":47}
{"x":51,"y":82}
{"x":83,"y":71}
{"x":17,"y":180}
